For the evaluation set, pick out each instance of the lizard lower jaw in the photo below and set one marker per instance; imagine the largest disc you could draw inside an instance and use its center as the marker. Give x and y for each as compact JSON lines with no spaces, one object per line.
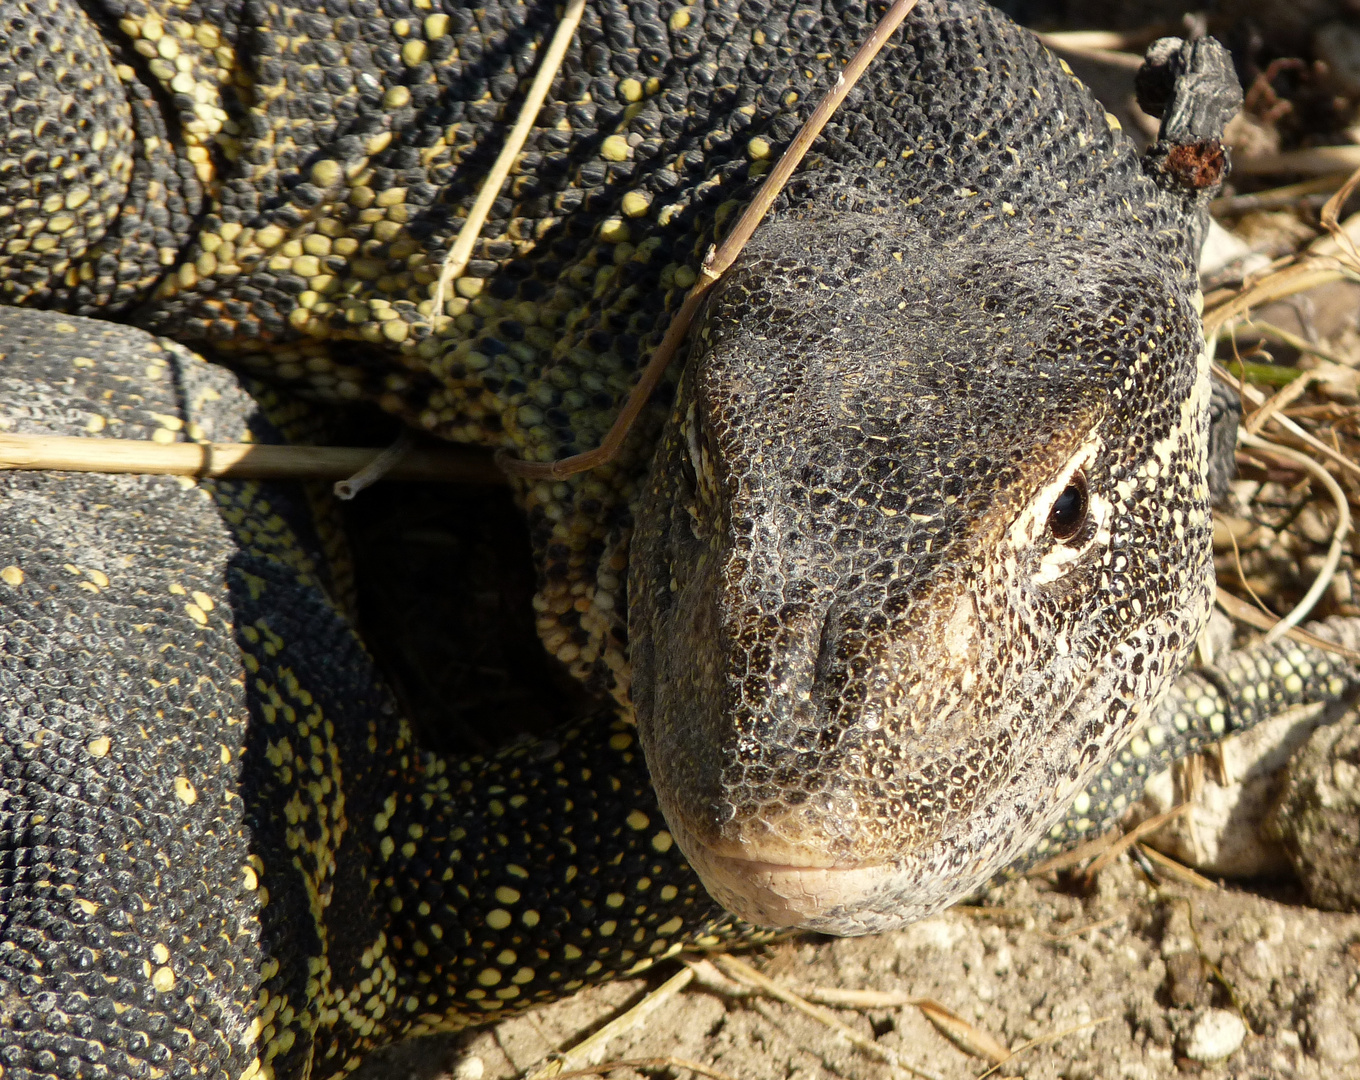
{"x":782,"y":886}
{"x":782,"y":895}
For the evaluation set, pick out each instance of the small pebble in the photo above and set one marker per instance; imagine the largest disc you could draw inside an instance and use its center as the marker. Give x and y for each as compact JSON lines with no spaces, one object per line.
{"x":470,"y":1068}
{"x":1214,"y":1036}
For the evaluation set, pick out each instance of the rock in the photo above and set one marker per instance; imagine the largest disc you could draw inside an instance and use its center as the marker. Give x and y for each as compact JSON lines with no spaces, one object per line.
{"x":1317,"y":817}
{"x":470,"y":1068}
{"x":1330,"y":1038}
{"x":1186,"y":985}
{"x":1222,"y":834}
{"x":1214,"y":1036}
{"x":1221,"y":249}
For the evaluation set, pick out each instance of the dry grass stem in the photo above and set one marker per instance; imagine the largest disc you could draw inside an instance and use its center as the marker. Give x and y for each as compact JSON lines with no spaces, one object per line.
{"x":1334,"y":550}
{"x":1329,"y":246}
{"x":1288,"y":425}
{"x":994,"y":911}
{"x":376,"y":469}
{"x":457,"y":259}
{"x":1277,"y":198}
{"x":237,"y":461}
{"x":1132,"y":837}
{"x":710,"y":978}
{"x":835,"y":998}
{"x":742,"y":972}
{"x":1286,"y":395}
{"x":1049,"y":1038}
{"x":1179,"y":871}
{"x":1283,"y":336}
{"x":578,"y":1061}
{"x":1294,"y":278}
{"x":1344,"y":240}
{"x":647,"y":1063}
{"x":1255,"y":397}
{"x":1310,"y":162}
{"x":1077,"y":931}
{"x":969,"y":1038}
{"x":1246,"y":584}
{"x":1243,"y":612}
{"x":1085,"y":44}
{"x":716,"y":262}
{"x":1107,"y":41}
{"x":1067,"y":859}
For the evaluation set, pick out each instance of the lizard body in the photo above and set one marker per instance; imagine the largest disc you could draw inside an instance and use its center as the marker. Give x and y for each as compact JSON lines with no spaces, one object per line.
{"x":223,"y":852}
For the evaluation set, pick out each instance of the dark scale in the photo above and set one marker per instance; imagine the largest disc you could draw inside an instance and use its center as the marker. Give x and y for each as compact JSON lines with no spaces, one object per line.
{"x":928,"y":522}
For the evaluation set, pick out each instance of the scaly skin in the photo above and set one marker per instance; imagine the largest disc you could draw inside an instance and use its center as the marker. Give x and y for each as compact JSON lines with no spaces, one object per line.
{"x":309,"y":165}
{"x":222,"y":852}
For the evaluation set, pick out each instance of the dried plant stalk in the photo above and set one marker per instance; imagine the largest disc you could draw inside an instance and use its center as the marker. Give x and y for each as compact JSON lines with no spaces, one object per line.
{"x":238,"y":461}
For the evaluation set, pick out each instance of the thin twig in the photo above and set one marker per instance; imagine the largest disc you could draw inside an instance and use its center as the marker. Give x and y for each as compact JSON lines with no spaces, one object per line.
{"x":1343,"y":527}
{"x":1179,"y":871}
{"x":647,"y":1063}
{"x":715,"y":263}
{"x":236,"y":461}
{"x":457,"y":259}
{"x":1053,"y":1036}
{"x":376,"y":469}
{"x":1243,"y":612}
{"x":745,"y":973}
{"x":589,"y":1052}
{"x":1131,"y":837}
{"x":1341,"y":235}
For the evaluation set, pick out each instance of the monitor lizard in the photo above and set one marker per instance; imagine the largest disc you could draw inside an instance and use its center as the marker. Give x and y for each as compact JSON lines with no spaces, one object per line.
{"x":223,"y":851}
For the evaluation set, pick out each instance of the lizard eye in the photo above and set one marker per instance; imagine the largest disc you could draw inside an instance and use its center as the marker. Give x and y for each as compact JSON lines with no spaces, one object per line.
{"x":1068,"y":515}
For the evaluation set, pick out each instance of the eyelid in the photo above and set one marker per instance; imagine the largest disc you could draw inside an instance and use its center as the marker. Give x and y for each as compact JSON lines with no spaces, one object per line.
{"x":1031,"y":524}
{"x":1060,"y":532}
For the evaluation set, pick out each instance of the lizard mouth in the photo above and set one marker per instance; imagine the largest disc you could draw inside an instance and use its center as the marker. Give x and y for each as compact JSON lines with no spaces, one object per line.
{"x":785,"y":887}
{"x":783,"y":895}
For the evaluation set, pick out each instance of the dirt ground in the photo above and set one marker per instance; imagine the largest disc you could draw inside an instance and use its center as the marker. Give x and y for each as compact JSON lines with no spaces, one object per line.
{"x":1139,"y":968}
{"x":1124,"y":978}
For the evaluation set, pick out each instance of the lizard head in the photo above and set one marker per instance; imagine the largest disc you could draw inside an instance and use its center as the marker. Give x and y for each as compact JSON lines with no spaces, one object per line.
{"x":927,"y":531}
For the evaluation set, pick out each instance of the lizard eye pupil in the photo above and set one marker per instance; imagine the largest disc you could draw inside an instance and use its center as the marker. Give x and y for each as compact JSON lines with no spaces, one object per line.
{"x":1069,"y":510}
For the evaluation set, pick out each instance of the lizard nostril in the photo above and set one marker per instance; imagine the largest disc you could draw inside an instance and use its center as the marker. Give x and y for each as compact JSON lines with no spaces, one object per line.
{"x":1069,"y":510}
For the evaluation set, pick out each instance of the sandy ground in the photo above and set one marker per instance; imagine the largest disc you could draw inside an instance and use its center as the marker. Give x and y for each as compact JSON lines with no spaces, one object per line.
{"x":1143,"y":969}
